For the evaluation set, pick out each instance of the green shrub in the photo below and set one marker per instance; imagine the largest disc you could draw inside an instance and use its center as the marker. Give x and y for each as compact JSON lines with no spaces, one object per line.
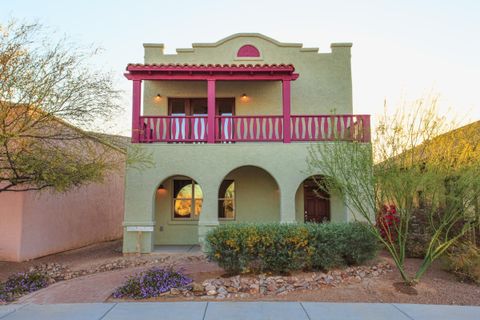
{"x":282,"y":248}
{"x":464,"y":262}
{"x":359,"y":244}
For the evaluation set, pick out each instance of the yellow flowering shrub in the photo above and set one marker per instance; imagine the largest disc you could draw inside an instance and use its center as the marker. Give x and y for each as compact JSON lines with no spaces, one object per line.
{"x":282,"y":248}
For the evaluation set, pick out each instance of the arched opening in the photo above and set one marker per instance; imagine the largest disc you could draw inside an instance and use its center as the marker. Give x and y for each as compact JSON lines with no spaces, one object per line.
{"x":314,"y":204}
{"x":178,"y":205}
{"x":249,"y":194}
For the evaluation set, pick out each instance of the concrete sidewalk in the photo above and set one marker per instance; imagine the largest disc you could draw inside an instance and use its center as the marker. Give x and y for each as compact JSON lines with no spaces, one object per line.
{"x":237,"y":310}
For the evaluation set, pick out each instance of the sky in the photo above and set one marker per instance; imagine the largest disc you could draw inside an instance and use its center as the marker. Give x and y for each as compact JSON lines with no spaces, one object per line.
{"x":402,"y":50}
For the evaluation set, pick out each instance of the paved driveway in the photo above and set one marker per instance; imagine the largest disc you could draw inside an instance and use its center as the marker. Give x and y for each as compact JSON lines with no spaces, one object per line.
{"x":237,"y":310}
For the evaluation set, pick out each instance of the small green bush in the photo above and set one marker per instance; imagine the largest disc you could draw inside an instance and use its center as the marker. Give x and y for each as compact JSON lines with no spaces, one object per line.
{"x":464,"y":262}
{"x":282,"y":248}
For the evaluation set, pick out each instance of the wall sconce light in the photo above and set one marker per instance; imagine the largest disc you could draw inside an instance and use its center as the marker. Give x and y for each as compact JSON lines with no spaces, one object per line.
{"x":158,"y":97}
{"x":244,"y":97}
{"x":161,"y":187}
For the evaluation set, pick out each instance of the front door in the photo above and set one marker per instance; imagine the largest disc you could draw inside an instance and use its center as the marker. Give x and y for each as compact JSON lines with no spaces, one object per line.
{"x":316,"y":203}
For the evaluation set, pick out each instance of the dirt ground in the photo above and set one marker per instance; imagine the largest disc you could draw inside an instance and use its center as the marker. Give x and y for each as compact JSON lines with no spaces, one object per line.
{"x":82,"y":258}
{"x":436,"y":287}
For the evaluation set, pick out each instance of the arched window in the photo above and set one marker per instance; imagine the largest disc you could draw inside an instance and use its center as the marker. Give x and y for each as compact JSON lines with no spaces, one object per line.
{"x":187,"y":199}
{"x":248,"y":51}
{"x":226,"y":200}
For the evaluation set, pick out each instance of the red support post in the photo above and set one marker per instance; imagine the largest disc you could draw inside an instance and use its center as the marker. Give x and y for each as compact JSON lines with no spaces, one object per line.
{"x":211,"y":111}
{"x":136,"y":106}
{"x":366,"y":128}
{"x":286,"y":110}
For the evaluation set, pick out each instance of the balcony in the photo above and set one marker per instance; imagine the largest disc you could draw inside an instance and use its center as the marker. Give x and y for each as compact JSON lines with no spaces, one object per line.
{"x":230,"y":129}
{"x":209,"y":127}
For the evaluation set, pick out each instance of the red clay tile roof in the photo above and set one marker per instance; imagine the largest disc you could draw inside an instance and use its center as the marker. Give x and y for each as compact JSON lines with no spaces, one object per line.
{"x":212,"y":67}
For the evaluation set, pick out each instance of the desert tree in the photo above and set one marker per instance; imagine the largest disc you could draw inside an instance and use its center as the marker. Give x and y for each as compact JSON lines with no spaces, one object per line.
{"x":51,"y":97}
{"x":415,"y":160}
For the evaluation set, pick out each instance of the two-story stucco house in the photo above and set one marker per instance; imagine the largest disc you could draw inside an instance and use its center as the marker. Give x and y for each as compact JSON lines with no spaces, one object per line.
{"x":229,"y":125}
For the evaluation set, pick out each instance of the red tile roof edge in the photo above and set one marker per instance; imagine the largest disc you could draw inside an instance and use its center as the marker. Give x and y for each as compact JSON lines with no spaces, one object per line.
{"x":210,"y":67}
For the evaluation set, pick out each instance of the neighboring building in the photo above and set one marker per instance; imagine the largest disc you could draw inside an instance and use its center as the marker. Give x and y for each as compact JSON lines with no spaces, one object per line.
{"x":38,"y":223}
{"x":229,"y":125}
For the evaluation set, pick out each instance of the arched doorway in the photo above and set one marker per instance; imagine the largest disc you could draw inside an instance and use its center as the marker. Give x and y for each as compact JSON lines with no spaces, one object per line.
{"x":178,"y":205}
{"x":316,"y":201}
{"x":313,"y":204}
{"x":249,"y":194}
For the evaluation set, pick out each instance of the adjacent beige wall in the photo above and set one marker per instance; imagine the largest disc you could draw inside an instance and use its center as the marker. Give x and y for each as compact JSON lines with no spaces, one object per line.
{"x":35,"y":224}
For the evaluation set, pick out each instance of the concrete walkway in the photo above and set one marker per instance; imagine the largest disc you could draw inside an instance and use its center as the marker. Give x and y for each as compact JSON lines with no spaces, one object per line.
{"x":237,"y":310}
{"x":172,"y":249}
{"x":98,"y":287}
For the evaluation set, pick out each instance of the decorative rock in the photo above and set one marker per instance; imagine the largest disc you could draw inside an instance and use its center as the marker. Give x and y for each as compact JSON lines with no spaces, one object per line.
{"x":197,"y":287}
{"x":254,"y":289}
{"x":222,"y":291}
{"x":280,"y":290}
{"x":272,"y":286}
{"x":174,"y":291}
{"x":232,"y":289}
{"x":211,"y":292}
{"x":328,"y":279}
{"x":247,"y":286}
{"x":209,"y":287}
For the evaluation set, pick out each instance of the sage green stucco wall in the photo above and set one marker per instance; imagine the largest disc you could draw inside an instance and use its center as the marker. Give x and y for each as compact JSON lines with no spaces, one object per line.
{"x":167,"y":230}
{"x":257,"y":195}
{"x":208,"y":165}
{"x":257,"y":199}
{"x":265,"y":97}
{"x":324,"y":84}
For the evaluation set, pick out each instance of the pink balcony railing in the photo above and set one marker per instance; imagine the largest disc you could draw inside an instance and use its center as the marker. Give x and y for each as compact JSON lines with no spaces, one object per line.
{"x":330,"y":127}
{"x":173,"y":129}
{"x":249,"y":128}
{"x":188,"y":129}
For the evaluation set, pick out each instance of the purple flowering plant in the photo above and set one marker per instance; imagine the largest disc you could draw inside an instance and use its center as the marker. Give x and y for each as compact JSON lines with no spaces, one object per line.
{"x":151,"y":283}
{"x":21,"y":283}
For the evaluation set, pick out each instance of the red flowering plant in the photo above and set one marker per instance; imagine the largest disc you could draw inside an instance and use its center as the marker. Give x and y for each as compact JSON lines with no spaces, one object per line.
{"x":387,"y":222}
